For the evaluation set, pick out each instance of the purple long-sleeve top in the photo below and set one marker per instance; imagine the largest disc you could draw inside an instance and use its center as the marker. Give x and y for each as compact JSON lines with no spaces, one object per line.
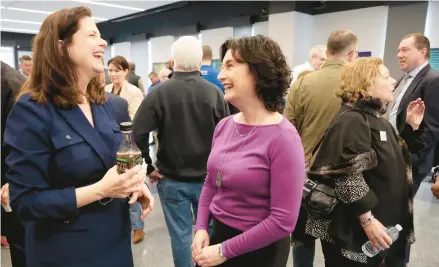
{"x":261,"y":187}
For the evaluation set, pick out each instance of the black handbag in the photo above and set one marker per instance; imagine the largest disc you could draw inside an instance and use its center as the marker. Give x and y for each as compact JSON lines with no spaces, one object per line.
{"x":320,"y":199}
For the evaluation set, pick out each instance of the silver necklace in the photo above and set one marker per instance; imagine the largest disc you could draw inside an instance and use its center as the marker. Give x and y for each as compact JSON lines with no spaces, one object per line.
{"x":243,"y":135}
{"x":219,"y":176}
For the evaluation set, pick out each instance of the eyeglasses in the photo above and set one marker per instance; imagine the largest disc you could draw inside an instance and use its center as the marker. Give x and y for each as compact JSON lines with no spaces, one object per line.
{"x":355,"y":52}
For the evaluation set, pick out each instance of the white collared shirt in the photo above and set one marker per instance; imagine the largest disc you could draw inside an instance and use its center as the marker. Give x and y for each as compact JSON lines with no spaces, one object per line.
{"x":394,"y":112}
{"x":299,"y":69}
{"x":23,"y":73}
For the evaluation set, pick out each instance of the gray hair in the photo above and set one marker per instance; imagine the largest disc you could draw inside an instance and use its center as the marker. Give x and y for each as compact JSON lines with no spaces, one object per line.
{"x":164,"y":73}
{"x":187,"y":54}
{"x":317,"y":49}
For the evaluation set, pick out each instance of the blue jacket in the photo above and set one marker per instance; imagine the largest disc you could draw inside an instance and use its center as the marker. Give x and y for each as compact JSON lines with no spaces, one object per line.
{"x":120,"y":106}
{"x":152,"y":85}
{"x":52,"y":152}
{"x":211,"y":75}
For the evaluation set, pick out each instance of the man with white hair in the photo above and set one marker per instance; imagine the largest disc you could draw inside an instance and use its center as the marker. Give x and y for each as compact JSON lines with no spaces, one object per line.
{"x":164,"y":75}
{"x":317,"y":55}
{"x":185,"y":110}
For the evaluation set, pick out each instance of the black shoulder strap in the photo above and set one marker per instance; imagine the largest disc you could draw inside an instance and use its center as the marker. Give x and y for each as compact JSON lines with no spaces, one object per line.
{"x":324,"y":134}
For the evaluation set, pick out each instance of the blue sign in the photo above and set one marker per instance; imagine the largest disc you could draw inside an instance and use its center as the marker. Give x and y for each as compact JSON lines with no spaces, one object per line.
{"x":434,"y":58}
{"x":364,"y":54}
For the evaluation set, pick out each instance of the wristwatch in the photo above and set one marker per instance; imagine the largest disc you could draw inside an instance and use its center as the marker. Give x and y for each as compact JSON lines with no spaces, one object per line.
{"x":366,"y":221}
{"x":221,"y":252}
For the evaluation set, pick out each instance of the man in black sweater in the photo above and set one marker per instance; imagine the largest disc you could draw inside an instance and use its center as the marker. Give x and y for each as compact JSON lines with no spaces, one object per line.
{"x":185,"y":110}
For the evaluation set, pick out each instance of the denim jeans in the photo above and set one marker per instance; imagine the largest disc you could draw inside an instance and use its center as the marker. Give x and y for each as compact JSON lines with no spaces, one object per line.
{"x":135,"y":213}
{"x":177,"y":199}
{"x":303,"y":256}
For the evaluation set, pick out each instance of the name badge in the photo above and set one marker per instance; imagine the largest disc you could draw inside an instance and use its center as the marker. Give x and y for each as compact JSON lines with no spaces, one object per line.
{"x":383,"y":136}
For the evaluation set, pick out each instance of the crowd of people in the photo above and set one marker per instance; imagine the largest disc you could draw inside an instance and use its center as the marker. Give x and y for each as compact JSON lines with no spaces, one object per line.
{"x":237,"y":149}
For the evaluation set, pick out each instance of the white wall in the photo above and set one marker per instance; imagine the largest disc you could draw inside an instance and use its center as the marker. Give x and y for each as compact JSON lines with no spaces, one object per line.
{"x":295,"y":32}
{"x":243,"y":31}
{"x":7,"y":55}
{"x":122,"y":49}
{"x":291,"y":30}
{"x":260,"y":28}
{"x":215,"y":38}
{"x":161,"y":48}
{"x":193,"y":35}
{"x":302,"y":37}
{"x":139,"y":55}
{"x":24,"y":53}
{"x":107,"y":54}
{"x":370,"y":24}
{"x":432,"y":24}
{"x":281,"y":30}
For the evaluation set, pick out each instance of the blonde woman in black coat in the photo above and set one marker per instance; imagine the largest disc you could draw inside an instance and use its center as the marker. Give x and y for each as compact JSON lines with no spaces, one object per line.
{"x":369,"y":167}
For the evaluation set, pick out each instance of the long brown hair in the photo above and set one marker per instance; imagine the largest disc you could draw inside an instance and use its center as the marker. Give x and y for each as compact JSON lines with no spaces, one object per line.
{"x":54,"y":75}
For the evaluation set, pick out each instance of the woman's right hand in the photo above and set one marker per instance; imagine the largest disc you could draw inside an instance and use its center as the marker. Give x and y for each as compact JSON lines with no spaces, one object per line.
{"x":201,"y":240}
{"x":377,"y":234}
{"x":116,"y":185}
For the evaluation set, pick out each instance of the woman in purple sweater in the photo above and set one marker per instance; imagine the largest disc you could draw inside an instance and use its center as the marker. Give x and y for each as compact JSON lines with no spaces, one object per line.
{"x":256,"y":168}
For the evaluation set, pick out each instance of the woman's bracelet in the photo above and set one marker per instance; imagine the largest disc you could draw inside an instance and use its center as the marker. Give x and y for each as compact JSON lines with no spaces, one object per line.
{"x":366,"y":221}
{"x":221,"y":252}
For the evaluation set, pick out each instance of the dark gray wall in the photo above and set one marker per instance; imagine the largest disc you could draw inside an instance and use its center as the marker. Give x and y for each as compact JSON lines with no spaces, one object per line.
{"x":23,"y":40}
{"x":402,"y":20}
{"x":20,"y":42}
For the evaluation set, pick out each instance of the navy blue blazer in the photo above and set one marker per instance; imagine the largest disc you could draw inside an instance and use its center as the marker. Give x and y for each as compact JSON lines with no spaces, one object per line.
{"x":52,"y":152}
{"x":120,"y":106}
{"x":422,"y":142}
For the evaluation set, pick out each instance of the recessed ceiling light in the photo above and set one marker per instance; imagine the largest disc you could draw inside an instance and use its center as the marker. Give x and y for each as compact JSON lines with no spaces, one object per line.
{"x":28,"y":10}
{"x":101,"y":19}
{"x":21,"y":21}
{"x":18,"y":30}
{"x":42,"y":12}
{"x":109,"y":5}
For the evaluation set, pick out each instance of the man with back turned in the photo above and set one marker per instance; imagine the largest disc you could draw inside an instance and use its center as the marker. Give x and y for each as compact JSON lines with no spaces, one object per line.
{"x":185,"y":110}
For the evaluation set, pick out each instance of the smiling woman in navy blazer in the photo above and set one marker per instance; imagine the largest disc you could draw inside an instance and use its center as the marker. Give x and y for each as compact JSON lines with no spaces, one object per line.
{"x":63,"y":138}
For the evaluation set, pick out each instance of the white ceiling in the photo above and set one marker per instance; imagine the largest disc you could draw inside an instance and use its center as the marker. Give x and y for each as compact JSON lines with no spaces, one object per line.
{"x":12,"y":20}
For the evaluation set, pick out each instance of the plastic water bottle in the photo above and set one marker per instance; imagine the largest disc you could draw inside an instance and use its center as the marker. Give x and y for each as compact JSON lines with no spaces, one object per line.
{"x":370,"y":251}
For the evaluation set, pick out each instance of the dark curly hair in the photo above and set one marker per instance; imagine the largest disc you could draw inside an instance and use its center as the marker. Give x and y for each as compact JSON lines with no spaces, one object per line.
{"x":267,"y":64}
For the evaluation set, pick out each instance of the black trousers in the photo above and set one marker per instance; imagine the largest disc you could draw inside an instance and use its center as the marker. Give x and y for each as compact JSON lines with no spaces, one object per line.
{"x":333,"y":258}
{"x":14,"y":232}
{"x":436,"y":156}
{"x":274,"y":255}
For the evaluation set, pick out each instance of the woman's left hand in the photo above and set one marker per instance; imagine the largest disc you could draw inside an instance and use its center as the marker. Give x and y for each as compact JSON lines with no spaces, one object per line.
{"x":146,"y":200}
{"x":415,"y":113}
{"x":209,"y":256}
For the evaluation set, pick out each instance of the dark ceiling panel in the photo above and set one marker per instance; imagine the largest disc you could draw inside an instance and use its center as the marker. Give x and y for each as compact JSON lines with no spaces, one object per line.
{"x":205,"y":15}
{"x":22,"y":41}
{"x":323,"y":7}
{"x":167,"y":19}
{"x":189,"y":17}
